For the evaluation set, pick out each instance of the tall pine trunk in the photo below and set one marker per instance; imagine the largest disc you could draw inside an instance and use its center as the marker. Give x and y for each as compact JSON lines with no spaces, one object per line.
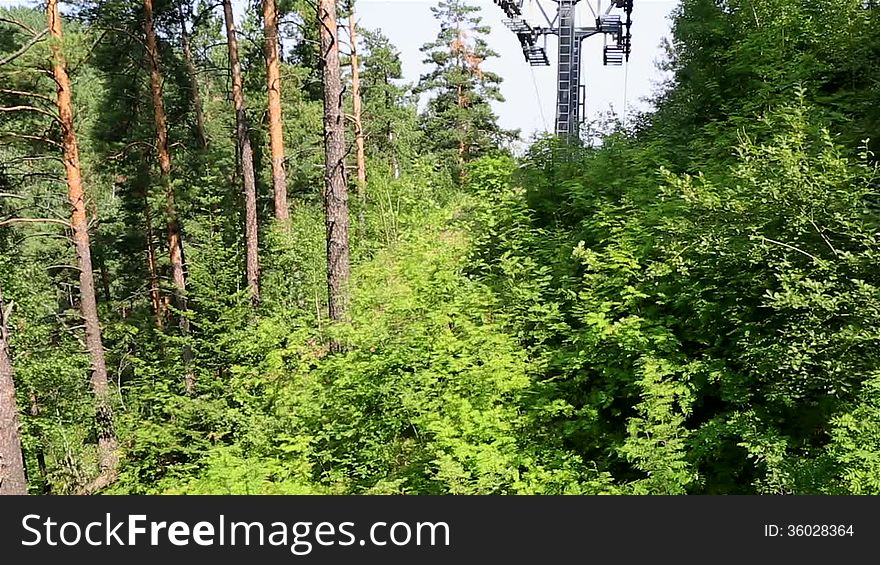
{"x":193,"y":76}
{"x":246,"y":160}
{"x":273,"y":84}
{"x":12,"y":473}
{"x":358,"y":122}
{"x":107,"y":445}
{"x":335,"y":190}
{"x":152,"y":266}
{"x":175,"y":243}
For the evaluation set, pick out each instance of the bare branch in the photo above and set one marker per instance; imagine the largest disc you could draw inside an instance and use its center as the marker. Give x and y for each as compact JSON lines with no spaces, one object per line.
{"x":122,"y":152}
{"x":197,"y":20}
{"x":36,"y":39}
{"x":22,"y":25}
{"x":27,"y":236}
{"x":824,"y":238}
{"x":50,"y":176}
{"x":29,"y":137}
{"x":11,"y":221}
{"x":792,"y":247}
{"x":29,"y":109}
{"x":90,"y":52}
{"x":125,"y":32}
{"x":37,"y":158}
{"x":25,"y":93}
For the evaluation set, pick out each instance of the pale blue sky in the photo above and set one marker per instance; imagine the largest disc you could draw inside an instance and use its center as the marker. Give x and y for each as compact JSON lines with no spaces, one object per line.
{"x":529,"y":91}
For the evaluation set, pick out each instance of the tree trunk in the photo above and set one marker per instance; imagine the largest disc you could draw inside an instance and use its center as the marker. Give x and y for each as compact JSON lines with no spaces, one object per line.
{"x":462,"y":149}
{"x":155,"y":295}
{"x":38,"y":448}
{"x":358,"y":122}
{"x":395,"y":164}
{"x":335,"y":191}
{"x":12,"y":472}
{"x":389,"y":128}
{"x":192,"y":73}
{"x":107,"y":456}
{"x":175,"y":243}
{"x":246,"y":160}
{"x":105,"y":277}
{"x":276,"y":137}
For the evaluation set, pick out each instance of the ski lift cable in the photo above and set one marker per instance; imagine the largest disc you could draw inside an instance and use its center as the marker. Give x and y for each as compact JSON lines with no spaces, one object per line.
{"x":590,"y":6}
{"x":625,"y":95}
{"x":538,"y":97}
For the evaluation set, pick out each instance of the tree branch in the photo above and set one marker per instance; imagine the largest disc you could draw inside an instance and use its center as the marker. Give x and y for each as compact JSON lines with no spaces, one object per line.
{"x":125,"y":32}
{"x":30,"y":109}
{"x":122,"y":152}
{"x":197,"y":19}
{"x":25,"y":93}
{"x":22,"y":25}
{"x":824,"y":238}
{"x":37,"y":158}
{"x":11,"y":221}
{"x":792,"y":247}
{"x":30,"y":137}
{"x":34,"y":40}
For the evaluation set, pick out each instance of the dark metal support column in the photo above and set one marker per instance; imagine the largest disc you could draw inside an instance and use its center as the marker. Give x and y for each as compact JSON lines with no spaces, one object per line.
{"x":567,"y":75}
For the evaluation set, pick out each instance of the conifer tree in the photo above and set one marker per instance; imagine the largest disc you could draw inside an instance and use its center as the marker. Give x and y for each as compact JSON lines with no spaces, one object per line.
{"x":163,"y":153}
{"x":12,"y":475}
{"x":108,"y":458}
{"x":245,"y":154}
{"x":335,"y":189}
{"x":459,"y":120}
{"x":273,"y":90}
{"x":389,"y":113}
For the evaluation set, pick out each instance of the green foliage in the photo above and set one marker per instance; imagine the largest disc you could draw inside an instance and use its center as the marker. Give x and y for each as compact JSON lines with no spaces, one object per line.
{"x":389,"y":108}
{"x":459,"y":122}
{"x":709,"y":333}
{"x":689,"y":306}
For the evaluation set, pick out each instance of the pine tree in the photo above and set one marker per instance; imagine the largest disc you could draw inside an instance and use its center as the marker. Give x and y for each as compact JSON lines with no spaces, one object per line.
{"x":12,"y":474}
{"x":389,"y":115}
{"x":175,"y":241}
{"x":108,"y":459}
{"x":356,"y":103}
{"x":459,"y":119}
{"x":335,"y":188}
{"x":193,"y":75}
{"x":273,"y":89}
{"x":245,"y":159}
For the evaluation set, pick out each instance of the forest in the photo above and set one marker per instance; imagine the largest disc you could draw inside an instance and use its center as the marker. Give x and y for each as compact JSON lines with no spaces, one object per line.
{"x":239,"y":257}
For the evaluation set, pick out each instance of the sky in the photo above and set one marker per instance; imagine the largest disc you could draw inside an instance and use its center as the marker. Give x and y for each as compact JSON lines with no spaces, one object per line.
{"x":529,"y":92}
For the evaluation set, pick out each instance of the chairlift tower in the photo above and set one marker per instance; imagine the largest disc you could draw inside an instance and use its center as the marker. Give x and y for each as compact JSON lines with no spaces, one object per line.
{"x":569,"y":87}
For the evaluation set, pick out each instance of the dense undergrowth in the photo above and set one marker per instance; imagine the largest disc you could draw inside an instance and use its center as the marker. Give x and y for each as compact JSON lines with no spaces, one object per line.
{"x":700,"y":333}
{"x":693,"y":334}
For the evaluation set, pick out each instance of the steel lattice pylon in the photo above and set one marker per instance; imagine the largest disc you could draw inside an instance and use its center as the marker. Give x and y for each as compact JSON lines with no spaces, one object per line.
{"x":569,"y":89}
